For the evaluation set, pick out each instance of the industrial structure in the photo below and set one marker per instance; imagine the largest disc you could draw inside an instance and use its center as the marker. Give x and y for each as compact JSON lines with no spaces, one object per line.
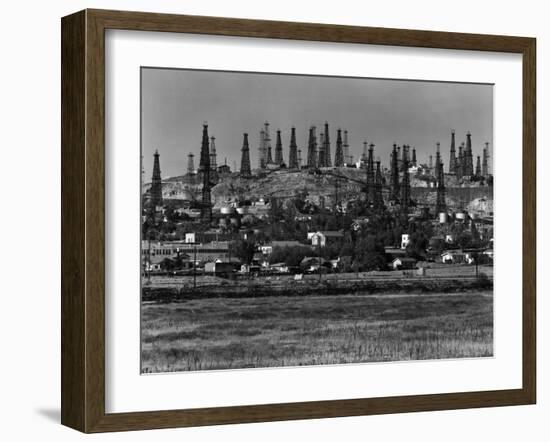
{"x":293,"y":151}
{"x":206,"y":209}
{"x":380,"y":186}
{"x":156,"y":183}
{"x":452,"y":157}
{"x":190,"y":164}
{"x":213,"y":161}
{"x":339,"y":155}
{"x":279,"y":150}
{"x":245,"y":158}
{"x":394,"y":180}
{"x":264,"y":151}
{"x":312,"y":149}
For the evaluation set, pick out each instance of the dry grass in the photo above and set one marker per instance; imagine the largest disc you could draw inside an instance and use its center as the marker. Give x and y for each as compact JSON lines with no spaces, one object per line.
{"x":227,"y":333}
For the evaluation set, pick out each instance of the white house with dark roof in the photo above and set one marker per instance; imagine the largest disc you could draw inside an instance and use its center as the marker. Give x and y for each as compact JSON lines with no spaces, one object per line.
{"x":322,"y":238}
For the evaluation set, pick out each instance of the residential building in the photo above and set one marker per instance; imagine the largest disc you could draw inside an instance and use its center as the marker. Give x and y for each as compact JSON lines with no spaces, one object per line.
{"x":403,"y":263}
{"x":322,"y":239}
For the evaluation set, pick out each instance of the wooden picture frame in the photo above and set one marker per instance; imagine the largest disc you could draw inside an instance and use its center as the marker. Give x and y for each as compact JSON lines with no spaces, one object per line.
{"x":83,"y":220}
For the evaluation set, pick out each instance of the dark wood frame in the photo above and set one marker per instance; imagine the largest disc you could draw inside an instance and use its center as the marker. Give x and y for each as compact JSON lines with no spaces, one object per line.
{"x":83,"y":216}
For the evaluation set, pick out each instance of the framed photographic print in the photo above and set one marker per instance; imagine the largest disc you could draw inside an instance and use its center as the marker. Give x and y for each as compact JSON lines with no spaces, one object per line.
{"x":267,"y":221}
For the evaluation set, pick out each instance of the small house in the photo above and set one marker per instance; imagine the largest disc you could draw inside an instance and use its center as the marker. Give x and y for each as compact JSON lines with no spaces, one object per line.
{"x":321,"y":239}
{"x":219,"y":267}
{"x":457,"y":257}
{"x":403,"y":263}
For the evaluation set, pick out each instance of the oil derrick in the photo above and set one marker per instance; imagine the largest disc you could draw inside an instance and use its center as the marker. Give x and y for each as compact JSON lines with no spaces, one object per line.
{"x":469,"y":156}
{"x":279,"y":150}
{"x":299,"y":158}
{"x":394,"y":195}
{"x":205,"y":150}
{"x":414,"y":157}
{"x":399,"y":159}
{"x":321,"y":154}
{"x":312,"y":149}
{"x":293,"y":154}
{"x":460,"y":162}
{"x":452,"y":158}
{"x":347,"y":158}
{"x":478,"y":166}
{"x":206,"y":210}
{"x":485,"y":163}
{"x":371,"y":191}
{"x":245,"y":158}
{"x":440,"y":205}
{"x":405,"y":186}
{"x":378,"y":200}
{"x":431,"y":163}
{"x":190,"y":164}
{"x":437,"y":160}
{"x":267,"y":141}
{"x":213,"y":160}
{"x":156,"y":183}
{"x":326,"y":149}
{"x":339,"y":155}
{"x":262,"y":151}
{"x":364,"y":155}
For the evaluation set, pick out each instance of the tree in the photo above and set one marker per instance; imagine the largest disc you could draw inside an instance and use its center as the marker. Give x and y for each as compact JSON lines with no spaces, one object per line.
{"x":369,"y":254}
{"x":418,"y":244}
{"x":291,"y":256}
{"x":244,"y":249}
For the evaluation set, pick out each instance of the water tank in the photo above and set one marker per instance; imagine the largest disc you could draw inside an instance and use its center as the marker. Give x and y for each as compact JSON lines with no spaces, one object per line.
{"x":442,"y":218}
{"x":226,"y":210}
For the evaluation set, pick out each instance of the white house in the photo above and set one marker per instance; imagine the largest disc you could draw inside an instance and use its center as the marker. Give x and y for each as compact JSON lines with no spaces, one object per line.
{"x":321,"y":239}
{"x":456,"y":257}
{"x":403,"y":263}
{"x":405,"y":240}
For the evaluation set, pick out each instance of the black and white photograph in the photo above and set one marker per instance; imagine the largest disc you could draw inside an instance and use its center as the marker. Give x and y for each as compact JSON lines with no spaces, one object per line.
{"x":302,"y":220}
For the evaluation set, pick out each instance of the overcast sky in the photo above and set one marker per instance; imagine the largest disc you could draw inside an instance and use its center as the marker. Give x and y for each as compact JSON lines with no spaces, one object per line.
{"x":175,"y":103}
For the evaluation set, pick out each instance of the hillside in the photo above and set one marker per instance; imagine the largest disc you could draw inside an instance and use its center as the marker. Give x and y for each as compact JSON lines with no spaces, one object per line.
{"x":348,"y":186}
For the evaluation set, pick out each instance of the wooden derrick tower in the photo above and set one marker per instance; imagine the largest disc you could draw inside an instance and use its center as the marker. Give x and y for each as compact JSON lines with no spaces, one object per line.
{"x":245,"y":158}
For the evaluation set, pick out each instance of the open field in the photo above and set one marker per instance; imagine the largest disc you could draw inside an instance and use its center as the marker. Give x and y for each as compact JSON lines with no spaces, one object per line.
{"x":229,"y":333}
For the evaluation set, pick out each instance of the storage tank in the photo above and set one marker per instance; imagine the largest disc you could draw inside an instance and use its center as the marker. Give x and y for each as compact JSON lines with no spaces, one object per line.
{"x":226,"y":210}
{"x":242,"y":210}
{"x":461,"y":216}
{"x":443,"y":217}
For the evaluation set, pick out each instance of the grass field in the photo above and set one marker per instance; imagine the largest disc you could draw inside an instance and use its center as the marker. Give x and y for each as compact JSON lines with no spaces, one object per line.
{"x":229,"y":333}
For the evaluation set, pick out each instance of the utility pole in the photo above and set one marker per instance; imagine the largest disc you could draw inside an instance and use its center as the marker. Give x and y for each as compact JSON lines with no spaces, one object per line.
{"x":149,"y":257}
{"x":336,"y":202}
{"x":194,"y":267}
{"x":319,"y":245}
